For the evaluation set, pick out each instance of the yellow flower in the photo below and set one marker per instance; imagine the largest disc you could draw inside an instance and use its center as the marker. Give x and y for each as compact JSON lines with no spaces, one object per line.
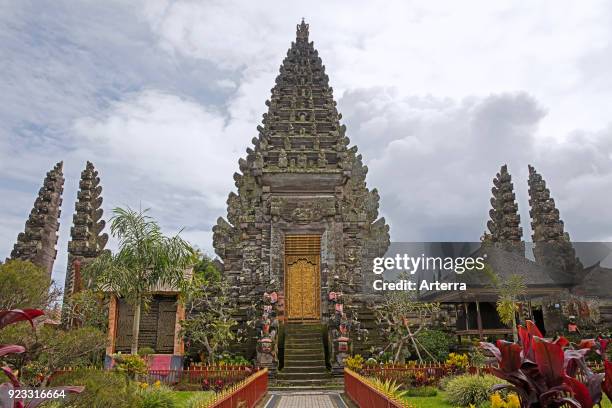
{"x":513,"y":401}
{"x":157,"y":384}
{"x":144,"y":385}
{"x":497,"y":401}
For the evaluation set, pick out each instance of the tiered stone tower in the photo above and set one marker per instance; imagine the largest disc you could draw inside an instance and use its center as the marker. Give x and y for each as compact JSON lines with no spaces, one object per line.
{"x":504,"y":225}
{"x":37,"y":243}
{"x":300,"y":180}
{"x":86,"y":241}
{"x":552,"y":247}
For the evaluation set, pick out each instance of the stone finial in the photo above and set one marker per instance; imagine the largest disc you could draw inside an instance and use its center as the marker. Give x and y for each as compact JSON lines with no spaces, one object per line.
{"x":504,"y":223}
{"x":302,"y":31}
{"x":37,"y":243}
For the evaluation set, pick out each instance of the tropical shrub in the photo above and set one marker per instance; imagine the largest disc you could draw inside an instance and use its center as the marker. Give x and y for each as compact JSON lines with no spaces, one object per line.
{"x":370,"y":362}
{"x":443,"y":382}
{"x":156,"y":396}
{"x":229,"y":359}
{"x":436,"y":342}
{"x":388,"y":387}
{"x":478,"y":359}
{"x":355,"y":362}
{"x":51,"y":348}
{"x":130,"y":364}
{"x":212,"y":384}
{"x":458,"y":362}
{"x":87,"y":307}
{"x":551,"y":373}
{"x":145,"y":351}
{"x":418,"y":379}
{"x":386,"y":357}
{"x":200,"y":400}
{"x":8,"y":317}
{"x":25,"y":285}
{"x":103,"y":389}
{"x":467,"y":389}
{"x":186,"y":385}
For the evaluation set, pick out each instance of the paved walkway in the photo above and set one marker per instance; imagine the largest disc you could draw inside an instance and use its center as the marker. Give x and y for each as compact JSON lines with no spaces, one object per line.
{"x":305,"y":399}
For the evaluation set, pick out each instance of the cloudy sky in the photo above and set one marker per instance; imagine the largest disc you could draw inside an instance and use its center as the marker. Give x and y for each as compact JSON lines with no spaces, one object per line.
{"x":164,"y":97}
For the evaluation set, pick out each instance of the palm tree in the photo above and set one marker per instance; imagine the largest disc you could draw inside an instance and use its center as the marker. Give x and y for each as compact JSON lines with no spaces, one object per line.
{"x":510,"y":292}
{"x":145,"y":259}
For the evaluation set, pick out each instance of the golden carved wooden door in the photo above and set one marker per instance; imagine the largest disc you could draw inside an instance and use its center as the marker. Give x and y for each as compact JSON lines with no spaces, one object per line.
{"x":302,"y":277}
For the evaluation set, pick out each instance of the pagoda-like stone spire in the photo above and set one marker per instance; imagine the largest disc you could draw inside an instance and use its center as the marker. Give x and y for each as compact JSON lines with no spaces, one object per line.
{"x":37,"y":243}
{"x":301,"y":129}
{"x":86,"y":240}
{"x":504,"y":225}
{"x":552,"y":245}
{"x":300,"y":175}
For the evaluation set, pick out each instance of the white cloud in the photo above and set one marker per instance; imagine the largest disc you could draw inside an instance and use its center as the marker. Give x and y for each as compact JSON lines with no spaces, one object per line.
{"x":164,"y":97}
{"x":166,"y":139}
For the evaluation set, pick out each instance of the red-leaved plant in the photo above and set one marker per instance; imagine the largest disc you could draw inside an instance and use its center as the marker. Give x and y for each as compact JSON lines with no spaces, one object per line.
{"x":9,"y":317}
{"x":550,"y":374}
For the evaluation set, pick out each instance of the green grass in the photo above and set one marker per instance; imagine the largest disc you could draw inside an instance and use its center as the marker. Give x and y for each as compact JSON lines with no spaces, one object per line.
{"x":439,"y":401}
{"x":429,"y":402}
{"x":183,"y":396}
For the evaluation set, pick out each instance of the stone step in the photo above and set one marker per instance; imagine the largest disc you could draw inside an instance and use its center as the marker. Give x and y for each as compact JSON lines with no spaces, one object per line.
{"x":302,"y":329}
{"x":315,"y":342}
{"x":303,"y":377}
{"x":304,"y":336}
{"x":294,"y":355}
{"x":303,"y":369}
{"x":303,"y":383}
{"x":307,"y":346}
{"x":296,"y":388}
{"x":304,"y":344}
{"x":313,"y":362}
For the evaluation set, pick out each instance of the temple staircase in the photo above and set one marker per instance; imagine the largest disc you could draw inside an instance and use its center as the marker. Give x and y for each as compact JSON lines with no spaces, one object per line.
{"x":304,"y":366}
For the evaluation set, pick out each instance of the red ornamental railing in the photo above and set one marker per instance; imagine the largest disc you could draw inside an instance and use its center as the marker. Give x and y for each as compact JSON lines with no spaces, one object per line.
{"x":246,"y":394}
{"x":197,"y":375}
{"x":228,"y":375}
{"x":431,"y":371}
{"x":364,"y":395}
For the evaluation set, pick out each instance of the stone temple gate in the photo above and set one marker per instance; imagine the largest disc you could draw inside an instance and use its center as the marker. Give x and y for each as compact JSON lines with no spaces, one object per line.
{"x":302,"y":216}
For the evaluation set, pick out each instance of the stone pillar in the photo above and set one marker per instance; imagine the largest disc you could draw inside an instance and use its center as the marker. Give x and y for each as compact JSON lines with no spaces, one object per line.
{"x":179,"y":344}
{"x":113,"y":309}
{"x":478,"y":319}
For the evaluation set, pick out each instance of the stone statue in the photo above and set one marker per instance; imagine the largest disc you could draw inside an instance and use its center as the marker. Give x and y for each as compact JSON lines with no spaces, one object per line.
{"x":258,"y":163}
{"x":322,"y":160}
{"x":282,"y":159}
{"x":302,"y":161}
{"x":287,"y":142}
